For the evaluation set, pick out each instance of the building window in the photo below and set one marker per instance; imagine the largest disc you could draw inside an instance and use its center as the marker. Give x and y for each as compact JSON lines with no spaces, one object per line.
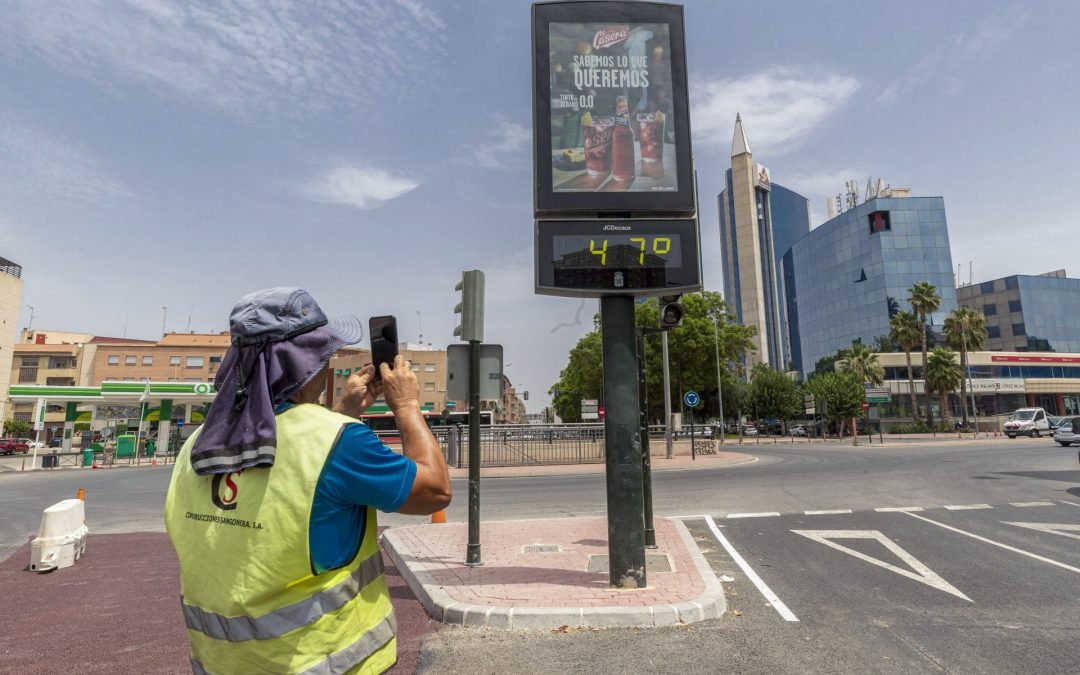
{"x":1012,"y":283}
{"x":148,"y":360}
{"x":174,"y":360}
{"x":429,"y":404}
{"x":879,"y":222}
{"x":129,"y":360}
{"x":30,"y":361}
{"x":1018,"y":328}
{"x":416,"y":367}
{"x":60,"y":362}
{"x":114,"y":360}
{"x":990,"y":309}
{"x":194,"y":362}
{"x":429,"y":367}
{"x":192,"y":379}
{"x":1014,"y":306}
{"x":993,"y":331}
{"x":28,"y":375}
{"x":986,"y":287}
{"x":429,"y":386}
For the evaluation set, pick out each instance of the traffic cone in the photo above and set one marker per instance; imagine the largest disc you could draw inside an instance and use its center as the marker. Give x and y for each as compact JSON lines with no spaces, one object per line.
{"x":438,"y":517}
{"x":81,"y":495}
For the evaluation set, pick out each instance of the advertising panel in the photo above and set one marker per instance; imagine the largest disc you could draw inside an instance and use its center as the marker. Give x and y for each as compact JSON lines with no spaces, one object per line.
{"x":761,"y":177}
{"x":611,"y":124}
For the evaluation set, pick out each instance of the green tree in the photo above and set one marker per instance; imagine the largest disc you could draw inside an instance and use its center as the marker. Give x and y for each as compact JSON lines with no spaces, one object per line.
{"x":904,"y":331}
{"x":838,"y":397}
{"x":692,"y":348}
{"x":16,"y":428}
{"x":861,"y":362}
{"x":965,"y":329}
{"x":943,"y":375}
{"x":774,"y":394}
{"x":582,"y":378}
{"x":924,"y":300}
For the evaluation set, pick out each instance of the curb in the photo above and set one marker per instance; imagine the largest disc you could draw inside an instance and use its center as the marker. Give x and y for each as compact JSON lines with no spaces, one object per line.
{"x":709,"y":605}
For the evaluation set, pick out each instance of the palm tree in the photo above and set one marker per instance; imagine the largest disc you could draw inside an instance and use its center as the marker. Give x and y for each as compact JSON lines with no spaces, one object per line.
{"x":904,"y":331}
{"x":863,"y":363}
{"x":924,"y":300}
{"x":965,"y":329}
{"x":943,"y":375}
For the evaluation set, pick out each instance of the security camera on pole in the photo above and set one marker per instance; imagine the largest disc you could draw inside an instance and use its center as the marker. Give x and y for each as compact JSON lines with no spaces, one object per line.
{"x":615,"y":206}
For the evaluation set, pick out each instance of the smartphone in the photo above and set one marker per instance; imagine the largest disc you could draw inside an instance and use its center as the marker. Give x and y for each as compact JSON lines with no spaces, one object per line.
{"x":384,"y":344}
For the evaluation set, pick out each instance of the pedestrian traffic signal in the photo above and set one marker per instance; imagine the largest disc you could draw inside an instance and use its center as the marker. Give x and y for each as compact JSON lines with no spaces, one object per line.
{"x":471,"y":307}
{"x":671,"y":312}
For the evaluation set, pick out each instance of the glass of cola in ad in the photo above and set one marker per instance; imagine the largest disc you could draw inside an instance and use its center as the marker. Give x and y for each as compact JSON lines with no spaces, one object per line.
{"x":597,"y":144}
{"x":651,"y":136}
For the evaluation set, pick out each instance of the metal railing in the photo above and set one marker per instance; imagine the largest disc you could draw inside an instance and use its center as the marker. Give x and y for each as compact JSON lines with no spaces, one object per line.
{"x":524,"y":444}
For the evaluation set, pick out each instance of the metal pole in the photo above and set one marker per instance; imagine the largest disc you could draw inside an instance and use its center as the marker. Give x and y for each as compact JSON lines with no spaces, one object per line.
{"x":667,"y":398}
{"x":472,"y":552}
{"x":646,"y":460}
{"x":719,"y":385}
{"x":693,"y":449}
{"x":971,"y":384}
{"x":622,"y":439}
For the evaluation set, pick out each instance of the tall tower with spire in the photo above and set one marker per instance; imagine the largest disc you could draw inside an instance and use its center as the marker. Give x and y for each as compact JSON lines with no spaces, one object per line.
{"x":753,"y":243}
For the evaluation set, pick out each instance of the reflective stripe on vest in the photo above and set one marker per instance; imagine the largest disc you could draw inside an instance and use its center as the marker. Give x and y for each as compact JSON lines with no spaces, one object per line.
{"x":346,"y":659}
{"x":287,"y":619}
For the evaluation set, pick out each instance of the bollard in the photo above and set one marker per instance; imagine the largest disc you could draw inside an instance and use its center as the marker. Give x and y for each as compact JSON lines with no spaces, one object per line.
{"x":23,"y":464}
{"x":80,"y":494}
{"x":438,"y":517}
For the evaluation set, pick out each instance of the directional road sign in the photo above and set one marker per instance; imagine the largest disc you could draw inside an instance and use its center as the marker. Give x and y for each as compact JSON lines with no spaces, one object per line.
{"x":691,"y":398}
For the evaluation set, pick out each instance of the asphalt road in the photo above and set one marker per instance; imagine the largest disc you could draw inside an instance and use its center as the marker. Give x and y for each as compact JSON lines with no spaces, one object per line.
{"x":989,"y":587}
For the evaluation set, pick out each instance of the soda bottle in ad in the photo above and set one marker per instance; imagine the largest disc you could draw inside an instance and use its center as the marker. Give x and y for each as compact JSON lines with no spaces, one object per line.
{"x":651,"y":136}
{"x":597,"y":144}
{"x":622,"y":151}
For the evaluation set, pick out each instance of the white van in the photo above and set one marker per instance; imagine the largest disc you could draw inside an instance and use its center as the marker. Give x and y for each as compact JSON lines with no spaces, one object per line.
{"x":1027,"y":422}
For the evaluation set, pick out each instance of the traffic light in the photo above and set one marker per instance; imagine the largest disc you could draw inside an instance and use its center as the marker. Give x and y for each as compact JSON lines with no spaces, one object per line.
{"x":671,"y":311}
{"x":471,"y":307}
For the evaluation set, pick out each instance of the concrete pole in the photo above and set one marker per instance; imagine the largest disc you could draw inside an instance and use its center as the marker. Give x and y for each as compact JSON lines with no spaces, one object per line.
{"x":667,"y":398}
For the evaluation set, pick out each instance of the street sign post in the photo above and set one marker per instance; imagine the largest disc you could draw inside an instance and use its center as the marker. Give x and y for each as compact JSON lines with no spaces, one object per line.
{"x":691,"y":399}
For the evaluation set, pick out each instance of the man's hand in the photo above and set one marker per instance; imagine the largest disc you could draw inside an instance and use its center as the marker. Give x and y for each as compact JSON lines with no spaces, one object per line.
{"x":400,"y":385}
{"x":360,"y":392}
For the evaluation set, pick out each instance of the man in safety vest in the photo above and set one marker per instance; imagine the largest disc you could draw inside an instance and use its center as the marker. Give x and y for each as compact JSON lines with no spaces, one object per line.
{"x":272,"y":504}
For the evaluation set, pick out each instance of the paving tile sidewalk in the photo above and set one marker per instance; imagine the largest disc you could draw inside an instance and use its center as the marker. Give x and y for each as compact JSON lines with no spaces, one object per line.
{"x":516,"y":590}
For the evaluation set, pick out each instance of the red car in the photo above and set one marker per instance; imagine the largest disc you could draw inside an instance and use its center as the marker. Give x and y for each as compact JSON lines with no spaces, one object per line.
{"x":9,"y":446}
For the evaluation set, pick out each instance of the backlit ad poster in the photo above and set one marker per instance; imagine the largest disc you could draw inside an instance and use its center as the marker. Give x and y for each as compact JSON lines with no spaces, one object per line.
{"x":612,"y":120}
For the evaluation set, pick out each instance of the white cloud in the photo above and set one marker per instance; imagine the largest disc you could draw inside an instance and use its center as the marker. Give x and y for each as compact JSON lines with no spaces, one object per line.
{"x":960,"y":51}
{"x":779,"y":106}
{"x":36,"y":166}
{"x":244,"y":55}
{"x":507,"y":148}
{"x":825,"y":181}
{"x":359,"y":186}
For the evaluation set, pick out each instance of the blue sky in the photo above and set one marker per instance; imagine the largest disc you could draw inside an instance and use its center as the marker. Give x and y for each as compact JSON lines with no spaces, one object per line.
{"x":182,"y":154}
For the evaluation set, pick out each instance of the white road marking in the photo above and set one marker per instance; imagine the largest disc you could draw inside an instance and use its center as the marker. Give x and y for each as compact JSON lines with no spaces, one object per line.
{"x":1026,"y":504}
{"x":775,"y":601}
{"x":768,"y":514}
{"x":828,"y":512}
{"x":898,"y":509}
{"x":696,"y":515}
{"x":1053,"y":528}
{"x":1068,"y":502}
{"x":998,"y":544}
{"x":922,"y":573}
{"x":968,"y":507}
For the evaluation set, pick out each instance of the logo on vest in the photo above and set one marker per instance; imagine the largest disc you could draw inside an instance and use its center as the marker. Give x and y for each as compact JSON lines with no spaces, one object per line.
{"x":224,"y":491}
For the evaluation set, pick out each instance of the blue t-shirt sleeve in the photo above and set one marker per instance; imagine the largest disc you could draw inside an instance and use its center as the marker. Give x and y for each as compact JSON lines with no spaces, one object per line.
{"x":363,"y":471}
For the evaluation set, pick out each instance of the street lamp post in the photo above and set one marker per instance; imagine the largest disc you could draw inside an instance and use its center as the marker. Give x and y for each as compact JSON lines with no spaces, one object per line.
{"x":667,"y":399}
{"x":971,"y":384}
{"x":646,"y":452}
{"x":719,"y":384}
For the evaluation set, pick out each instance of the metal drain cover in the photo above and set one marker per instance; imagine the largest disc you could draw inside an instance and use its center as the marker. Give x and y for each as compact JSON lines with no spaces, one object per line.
{"x":540,"y":548}
{"x":654,"y":562}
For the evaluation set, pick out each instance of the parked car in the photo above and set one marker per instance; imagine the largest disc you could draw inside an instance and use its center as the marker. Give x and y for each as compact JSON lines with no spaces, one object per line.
{"x":57,"y":442}
{"x":1027,"y":422}
{"x":750,"y":430}
{"x":798,"y":430}
{"x":9,"y":446}
{"x":1067,"y":432}
{"x":31,"y":443}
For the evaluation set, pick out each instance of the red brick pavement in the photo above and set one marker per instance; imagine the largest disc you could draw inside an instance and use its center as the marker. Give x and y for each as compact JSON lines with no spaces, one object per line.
{"x":511,"y":578}
{"x":117,"y":611}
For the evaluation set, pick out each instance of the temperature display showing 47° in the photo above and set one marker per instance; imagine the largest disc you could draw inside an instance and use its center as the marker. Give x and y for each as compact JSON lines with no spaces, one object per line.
{"x":618,"y":251}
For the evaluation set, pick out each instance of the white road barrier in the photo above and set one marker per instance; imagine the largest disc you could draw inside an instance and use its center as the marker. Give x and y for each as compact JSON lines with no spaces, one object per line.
{"x":61,"y":537}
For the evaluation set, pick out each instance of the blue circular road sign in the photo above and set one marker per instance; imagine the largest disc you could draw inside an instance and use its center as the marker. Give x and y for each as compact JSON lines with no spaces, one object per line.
{"x":691,"y":399}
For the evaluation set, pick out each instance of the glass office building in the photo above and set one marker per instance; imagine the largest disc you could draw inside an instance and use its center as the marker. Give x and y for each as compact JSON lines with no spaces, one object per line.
{"x":844,"y":279}
{"x":1028,"y":313}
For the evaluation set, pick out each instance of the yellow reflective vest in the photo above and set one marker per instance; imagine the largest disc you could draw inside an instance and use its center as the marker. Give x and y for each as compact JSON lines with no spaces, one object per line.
{"x":251,"y":599}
